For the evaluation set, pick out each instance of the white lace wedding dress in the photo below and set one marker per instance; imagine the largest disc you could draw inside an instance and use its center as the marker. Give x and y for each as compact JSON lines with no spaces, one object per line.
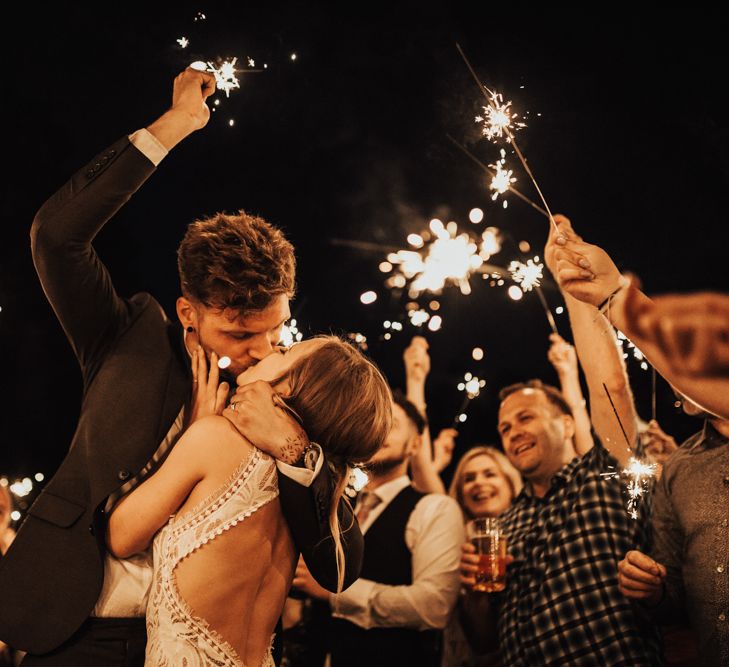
{"x":175,"y":636}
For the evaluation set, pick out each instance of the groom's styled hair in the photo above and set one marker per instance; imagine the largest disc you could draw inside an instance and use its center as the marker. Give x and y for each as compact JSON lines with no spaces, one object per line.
{"x":238,"y":262}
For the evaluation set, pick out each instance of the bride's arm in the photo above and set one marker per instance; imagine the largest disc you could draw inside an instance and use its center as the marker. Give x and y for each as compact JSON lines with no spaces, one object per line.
{"x":140,"y":514}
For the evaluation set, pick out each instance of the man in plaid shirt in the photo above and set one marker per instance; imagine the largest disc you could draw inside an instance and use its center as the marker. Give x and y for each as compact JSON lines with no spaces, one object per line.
{"x":566,"y":532}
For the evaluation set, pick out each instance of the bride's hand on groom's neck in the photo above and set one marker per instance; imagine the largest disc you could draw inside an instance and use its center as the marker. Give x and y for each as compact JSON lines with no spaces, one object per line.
{"x":257,"y":412}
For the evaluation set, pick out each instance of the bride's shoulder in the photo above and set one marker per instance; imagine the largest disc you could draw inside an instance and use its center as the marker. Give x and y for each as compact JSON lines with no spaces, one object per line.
{"x":215,"y":431}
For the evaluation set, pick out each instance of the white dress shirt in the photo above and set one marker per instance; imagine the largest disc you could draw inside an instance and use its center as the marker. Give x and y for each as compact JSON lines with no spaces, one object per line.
{"x":127,"y":581}
{"x":434,"y":534}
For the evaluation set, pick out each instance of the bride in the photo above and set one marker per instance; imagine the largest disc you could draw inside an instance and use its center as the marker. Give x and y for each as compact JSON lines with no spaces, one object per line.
{"x":223,"y":555}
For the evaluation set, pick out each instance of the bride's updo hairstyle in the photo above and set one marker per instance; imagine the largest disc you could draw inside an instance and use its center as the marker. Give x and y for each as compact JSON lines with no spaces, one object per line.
{"x":344,"y":404}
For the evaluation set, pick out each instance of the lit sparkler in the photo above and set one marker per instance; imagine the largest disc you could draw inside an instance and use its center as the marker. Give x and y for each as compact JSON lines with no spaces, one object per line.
{"x":439,"y":257}
{"x":638,"y":474}
{"x":491,"y":242}
{"x":225,"y":78}
{"x":528,"y":275}
{"x":502,"y":179}
{"x":500,"y":123}
{"x":472,"y":385}
{"x":498,"y":119}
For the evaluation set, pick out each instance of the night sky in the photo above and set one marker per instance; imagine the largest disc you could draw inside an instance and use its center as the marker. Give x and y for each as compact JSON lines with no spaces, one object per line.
{"x":349,"y":142}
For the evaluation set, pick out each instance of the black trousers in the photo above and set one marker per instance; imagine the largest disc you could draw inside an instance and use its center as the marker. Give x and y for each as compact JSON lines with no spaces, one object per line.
{"x":100,"y":642}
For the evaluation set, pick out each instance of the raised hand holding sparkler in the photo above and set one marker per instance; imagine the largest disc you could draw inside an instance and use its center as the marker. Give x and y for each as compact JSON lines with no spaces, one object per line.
{"x":189,"y":111}
{"x":584,"y":271}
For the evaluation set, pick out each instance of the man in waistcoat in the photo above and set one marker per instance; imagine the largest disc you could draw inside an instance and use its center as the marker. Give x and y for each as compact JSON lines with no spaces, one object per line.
{"x":394,"y":614}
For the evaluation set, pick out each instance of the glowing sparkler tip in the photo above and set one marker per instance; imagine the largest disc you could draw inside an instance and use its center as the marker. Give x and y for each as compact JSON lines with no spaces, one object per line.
{"x":225,"y":78}
{"x":528,"y":275}
{"x":224,"y":362}
{"x":498,"y":120}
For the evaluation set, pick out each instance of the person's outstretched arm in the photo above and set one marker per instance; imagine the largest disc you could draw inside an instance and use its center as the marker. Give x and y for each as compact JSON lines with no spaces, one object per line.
{"x":601,"y":361}
{"x":74,"y":279}
{"x":563,"y":357}
{"x":417,"y":366}
{"x":141,"y":513}
{"x":587,"y":273}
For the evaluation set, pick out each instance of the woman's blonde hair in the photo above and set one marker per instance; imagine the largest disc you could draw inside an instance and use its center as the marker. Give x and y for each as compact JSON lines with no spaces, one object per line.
{"x":499,"y":458}
{"x":345,"y":406}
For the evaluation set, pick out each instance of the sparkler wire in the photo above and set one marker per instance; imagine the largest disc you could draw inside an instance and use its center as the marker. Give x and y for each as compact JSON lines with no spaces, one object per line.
{"x":617,"y":416}
{"x":519,"y":154}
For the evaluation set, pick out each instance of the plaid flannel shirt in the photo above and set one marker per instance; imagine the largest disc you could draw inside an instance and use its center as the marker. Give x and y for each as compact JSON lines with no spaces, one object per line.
{"x":562,"y":605}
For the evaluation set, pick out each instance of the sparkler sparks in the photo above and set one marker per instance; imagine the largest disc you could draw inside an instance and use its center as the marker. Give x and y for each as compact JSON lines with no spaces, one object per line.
{"x":498,"y":119}
{"x":418,"y":317}
{"x":225,"y":78}
{"x":501,"y":180}
{"x":472,"y":385}
{"x":440,"y":256}
{"x":638,"y":475}
{"x":491,"y":242}
{"x":528,"y":275}
{"x":183,"y":42}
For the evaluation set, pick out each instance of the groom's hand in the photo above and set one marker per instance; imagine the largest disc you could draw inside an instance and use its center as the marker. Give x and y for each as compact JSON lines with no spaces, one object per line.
{"x":255,"y":410}
{"x":304,"y":582}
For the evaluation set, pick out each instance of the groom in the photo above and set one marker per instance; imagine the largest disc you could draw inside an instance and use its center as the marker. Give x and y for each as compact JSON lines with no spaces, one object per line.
{"x":65,"y":600}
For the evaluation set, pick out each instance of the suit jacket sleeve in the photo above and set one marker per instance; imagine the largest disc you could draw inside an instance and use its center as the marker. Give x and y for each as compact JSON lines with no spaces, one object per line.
{"x":75,"y":281}
{"x":307,"y":511}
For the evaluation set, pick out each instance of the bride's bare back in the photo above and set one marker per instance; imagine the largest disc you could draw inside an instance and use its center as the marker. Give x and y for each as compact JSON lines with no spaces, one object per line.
{"x":223,"y":563}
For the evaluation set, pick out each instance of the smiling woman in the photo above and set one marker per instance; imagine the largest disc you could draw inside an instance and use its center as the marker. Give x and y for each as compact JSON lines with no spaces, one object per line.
{"x":484,"y":483}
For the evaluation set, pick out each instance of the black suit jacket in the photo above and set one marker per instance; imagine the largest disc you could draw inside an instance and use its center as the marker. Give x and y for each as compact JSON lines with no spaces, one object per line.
{"x":136,"y":378}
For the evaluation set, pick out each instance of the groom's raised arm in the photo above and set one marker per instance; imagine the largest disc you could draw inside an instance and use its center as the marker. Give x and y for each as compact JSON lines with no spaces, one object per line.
{"x":75,"y":281}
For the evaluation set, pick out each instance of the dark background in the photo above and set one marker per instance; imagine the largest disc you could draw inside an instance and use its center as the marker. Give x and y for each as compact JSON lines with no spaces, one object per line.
{"x":349,"y":142}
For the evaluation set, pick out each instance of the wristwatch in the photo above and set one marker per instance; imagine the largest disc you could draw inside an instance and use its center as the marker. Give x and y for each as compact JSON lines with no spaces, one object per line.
{"x":308,"y":457}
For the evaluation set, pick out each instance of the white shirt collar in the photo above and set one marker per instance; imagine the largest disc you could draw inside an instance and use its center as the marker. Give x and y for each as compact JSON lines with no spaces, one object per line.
{"x":387,"y":491}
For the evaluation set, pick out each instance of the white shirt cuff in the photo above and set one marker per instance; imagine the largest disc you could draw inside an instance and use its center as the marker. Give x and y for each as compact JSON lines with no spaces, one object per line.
{"x":303,"y":476}
{"x":354,"y":603}
{"x":148,"y":145}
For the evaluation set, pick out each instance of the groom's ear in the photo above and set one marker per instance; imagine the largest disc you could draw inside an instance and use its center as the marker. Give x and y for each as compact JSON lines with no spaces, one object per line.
{"x":187,"y":313}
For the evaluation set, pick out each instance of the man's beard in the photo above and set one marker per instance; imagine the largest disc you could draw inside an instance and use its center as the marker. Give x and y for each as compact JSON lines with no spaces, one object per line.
{"x":380,"y":468}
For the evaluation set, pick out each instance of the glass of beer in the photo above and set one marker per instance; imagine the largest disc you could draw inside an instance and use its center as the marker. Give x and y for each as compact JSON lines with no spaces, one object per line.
{"x":486,"y":535}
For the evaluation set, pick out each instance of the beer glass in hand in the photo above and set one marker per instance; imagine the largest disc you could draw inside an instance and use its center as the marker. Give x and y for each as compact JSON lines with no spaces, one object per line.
{"x":486,"y":536}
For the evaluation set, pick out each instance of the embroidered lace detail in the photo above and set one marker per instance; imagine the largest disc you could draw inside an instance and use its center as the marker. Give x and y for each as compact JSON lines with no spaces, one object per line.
{"x":175,"y":636}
